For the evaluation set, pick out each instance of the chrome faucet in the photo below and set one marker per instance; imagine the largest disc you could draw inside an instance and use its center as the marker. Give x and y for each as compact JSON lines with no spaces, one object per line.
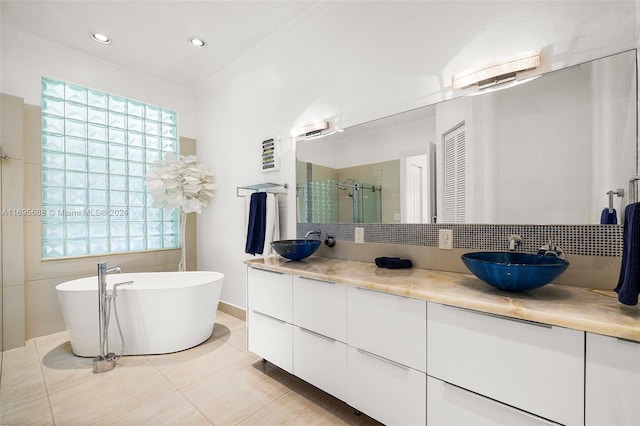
{"x":316,"y":232}
{"x":514,"y":241}
{"x":104,"y":361}
{"x":551,"y":250}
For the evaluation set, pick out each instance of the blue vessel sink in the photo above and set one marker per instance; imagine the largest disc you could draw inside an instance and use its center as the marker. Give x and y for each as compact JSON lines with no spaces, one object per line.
{"x":514,"y":271}
{"x":295,"y":249}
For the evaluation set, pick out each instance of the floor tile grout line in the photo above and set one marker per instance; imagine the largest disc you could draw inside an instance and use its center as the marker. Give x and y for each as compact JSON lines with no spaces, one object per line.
{"x":44,"y":381}
{"x":194,"y":406}
{"x":179,"y":389}
{"x":240,"y":345}
{"x":264,"y":406}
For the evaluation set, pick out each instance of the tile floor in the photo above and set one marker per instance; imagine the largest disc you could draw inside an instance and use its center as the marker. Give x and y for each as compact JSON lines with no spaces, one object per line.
{"x":218,"y":382}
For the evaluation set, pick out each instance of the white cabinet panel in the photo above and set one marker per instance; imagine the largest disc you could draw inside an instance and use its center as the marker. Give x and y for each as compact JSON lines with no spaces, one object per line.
{"x":612,"y":381}
{"x":270,"y":293}
{"x":320,"y":306}
{"x":539,"y":369}
{"x":451,"y":405}
{"x":271,"y":338}
{"x":391,"y":393}
{"x":320,"y":361}
{"x":391,"y":326}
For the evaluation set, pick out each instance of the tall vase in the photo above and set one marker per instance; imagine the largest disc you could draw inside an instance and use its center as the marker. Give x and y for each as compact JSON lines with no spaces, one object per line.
{"x":182,"y":266}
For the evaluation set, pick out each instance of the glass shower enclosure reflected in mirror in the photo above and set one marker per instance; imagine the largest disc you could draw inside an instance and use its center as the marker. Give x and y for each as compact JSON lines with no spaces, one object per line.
{"x":327,"y":195}
{"x":363,"y":200}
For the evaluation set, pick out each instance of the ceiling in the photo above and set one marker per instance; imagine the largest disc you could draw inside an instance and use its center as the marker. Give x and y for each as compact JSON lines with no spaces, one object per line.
{"x":150,"y":36}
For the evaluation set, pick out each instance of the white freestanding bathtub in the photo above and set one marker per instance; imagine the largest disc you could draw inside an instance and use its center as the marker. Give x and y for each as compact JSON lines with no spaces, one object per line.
{"x":160,"y":312}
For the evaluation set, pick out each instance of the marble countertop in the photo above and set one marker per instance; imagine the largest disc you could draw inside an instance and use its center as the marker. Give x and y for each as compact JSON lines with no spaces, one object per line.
{"x":595,"y":311}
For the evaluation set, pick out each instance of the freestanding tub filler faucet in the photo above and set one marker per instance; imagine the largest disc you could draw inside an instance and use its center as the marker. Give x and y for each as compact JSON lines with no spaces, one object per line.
{"x":106,"y":360}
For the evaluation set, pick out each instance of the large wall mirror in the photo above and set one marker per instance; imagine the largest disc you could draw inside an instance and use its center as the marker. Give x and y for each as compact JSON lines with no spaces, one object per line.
{"x":544,"y":152}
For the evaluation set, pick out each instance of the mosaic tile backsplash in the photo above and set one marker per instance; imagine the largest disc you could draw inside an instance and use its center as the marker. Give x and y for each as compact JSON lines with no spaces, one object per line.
{"x":586,"y":240}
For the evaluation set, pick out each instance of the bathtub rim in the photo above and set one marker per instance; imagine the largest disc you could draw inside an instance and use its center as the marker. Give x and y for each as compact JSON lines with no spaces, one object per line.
{"x":89,"y":283}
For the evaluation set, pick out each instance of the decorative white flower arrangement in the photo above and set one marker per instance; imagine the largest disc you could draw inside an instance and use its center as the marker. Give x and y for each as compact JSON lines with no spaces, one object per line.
{"x":178,"y":182}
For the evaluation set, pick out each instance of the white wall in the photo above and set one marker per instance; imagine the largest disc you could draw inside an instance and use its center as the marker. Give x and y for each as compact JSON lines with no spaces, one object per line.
{"x":361,"y":61}
{"x":24,"y":61}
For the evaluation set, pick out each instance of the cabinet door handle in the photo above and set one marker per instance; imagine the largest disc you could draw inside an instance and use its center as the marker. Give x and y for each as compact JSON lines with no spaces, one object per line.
{"x":383,"y":292}
{"x":267,"y":270}
{"x":622,"y":339}
{"x":316,"y":280}
{"x":503,"y":405}
{"x":322,"y":336}
{"x":489,"y":314}
{"x":269,"y":316}
{"x":388,"y":361}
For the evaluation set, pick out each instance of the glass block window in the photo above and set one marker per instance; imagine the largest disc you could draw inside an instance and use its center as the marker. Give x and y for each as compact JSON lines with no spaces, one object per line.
{"x":96,"y":148}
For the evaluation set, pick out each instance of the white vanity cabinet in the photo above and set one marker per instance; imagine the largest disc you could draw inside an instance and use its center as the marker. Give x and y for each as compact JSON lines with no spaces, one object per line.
{"x":386,"y":338}
{"x":405,"y":361}
{"x":612,"y":394}
{"x":320,"y":306}
{"x":320,"y":334}
{"x":388,"y":325}
{"x":534,"y":367}
{"x":269,"y":316}
{"x":270,"y":293}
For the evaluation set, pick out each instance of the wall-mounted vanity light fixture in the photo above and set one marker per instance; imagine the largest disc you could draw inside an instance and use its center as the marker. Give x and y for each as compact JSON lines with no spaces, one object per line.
{"x":315,"y":129}
{"x":497,"y":72}
{"x":310,"y":129}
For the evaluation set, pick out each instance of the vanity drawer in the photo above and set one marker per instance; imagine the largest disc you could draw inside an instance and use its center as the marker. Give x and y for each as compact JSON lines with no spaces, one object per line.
{"x":389,"y":392}
{"x":393,"y":327}
{"x":270,"y":292}
{"x":320,"y":306}
{"x":271,"y":339}
{"x":613,"y":381}
{"x":531,"y":366}
{"x":451,"y":405}
{"x":320,"y":361}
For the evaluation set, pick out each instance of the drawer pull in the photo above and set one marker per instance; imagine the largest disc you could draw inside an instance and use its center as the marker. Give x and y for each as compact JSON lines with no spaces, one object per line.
{"x":388,"y":361}
{"x":622,"y":339}
{"x":382,"y":292}
{"x":489,"y":314}
{"x":316,"y":280}
{"x":267,"y":270}
{"x":502,"y":404}
{"x":269,"y":316}
{"x":322,"y":336}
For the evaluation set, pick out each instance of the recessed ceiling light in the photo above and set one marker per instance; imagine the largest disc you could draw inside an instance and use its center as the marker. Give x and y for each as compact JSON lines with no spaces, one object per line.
{"x":197,"y":42}
{"x":100,"y":38}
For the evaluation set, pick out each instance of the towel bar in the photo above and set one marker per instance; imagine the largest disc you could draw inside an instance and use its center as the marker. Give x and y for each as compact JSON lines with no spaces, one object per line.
{"x":633,"y":189}
{"x":619,"y":192}
{"x":262,"y":187}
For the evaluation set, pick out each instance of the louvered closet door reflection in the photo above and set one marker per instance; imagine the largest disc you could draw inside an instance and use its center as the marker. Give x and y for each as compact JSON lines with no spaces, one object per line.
{"x":454,"y":164}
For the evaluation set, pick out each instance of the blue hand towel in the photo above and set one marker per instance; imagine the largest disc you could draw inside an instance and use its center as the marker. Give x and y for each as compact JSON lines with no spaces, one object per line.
{"x":393,"y":263}
{"x":629,"y":281}
{"x":257,"y":223}
{"x":607,"y":218}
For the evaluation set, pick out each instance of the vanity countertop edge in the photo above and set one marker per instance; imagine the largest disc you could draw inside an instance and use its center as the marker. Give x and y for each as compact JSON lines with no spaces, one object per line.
{"x":584,"y":309}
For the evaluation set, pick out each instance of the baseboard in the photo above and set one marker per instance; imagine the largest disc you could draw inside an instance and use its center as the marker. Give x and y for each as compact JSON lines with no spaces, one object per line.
{"x":232,"y":310}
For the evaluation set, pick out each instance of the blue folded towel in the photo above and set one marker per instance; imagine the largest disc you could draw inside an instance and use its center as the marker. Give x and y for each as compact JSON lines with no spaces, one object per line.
{"x":393,"y":263}
{"x":607,"y":218}
{"x":257,"y":223}
{"x":629,"y":282}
